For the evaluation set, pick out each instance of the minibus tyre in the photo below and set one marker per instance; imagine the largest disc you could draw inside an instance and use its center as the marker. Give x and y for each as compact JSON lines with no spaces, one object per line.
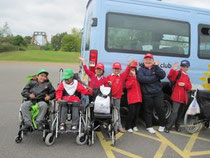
{"x":168,"y":106}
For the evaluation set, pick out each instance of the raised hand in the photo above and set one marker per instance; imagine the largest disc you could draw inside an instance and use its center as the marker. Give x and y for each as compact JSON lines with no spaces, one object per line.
{"x":175,"y":66}
{"x":157,"y":62}
{"x":82,"y":60}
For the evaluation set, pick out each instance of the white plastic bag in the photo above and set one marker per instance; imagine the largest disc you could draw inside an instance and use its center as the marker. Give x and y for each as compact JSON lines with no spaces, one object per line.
{"x":193,"y":108}
{"x":102,"y":105}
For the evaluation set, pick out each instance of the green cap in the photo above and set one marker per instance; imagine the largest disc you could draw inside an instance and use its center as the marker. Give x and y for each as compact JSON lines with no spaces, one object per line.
{"x":42,"y":71}
{"x":68,"y":73}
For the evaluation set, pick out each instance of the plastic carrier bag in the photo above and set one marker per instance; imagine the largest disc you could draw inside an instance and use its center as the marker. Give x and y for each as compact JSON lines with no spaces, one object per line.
{"x":102,"y":102}
{"x":194,"y":108}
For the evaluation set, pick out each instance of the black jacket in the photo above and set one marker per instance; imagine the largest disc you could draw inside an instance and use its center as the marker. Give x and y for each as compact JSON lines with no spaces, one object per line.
{"x":39,"y":90}
{"x":150,"y":79}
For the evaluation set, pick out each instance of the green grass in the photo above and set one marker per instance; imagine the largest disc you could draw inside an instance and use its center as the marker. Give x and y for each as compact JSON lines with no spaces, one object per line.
{"x":41,"y":56}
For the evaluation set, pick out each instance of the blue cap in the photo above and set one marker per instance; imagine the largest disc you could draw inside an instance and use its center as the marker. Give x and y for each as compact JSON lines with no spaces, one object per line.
{"x":185,"y":63}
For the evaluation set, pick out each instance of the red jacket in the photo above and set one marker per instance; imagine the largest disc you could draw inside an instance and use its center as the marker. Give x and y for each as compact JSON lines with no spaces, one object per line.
{"x":94,"y":82}
{"x":133,"y":90}
{"x":72,"y":98}
{"x":179,"y":94}
{"x":117,"y":82}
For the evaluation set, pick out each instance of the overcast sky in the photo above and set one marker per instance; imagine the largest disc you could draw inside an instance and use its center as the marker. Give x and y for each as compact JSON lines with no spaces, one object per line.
{"x":53,"y":16}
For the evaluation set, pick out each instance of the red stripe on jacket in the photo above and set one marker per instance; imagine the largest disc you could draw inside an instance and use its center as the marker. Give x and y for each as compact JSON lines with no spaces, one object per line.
{"x":179,"y":93}
{"x":133,"y":90}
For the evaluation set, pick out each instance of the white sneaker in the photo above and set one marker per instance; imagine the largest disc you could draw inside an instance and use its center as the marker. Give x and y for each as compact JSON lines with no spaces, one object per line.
{"x":130,"y":130}
{"x":161,"y":129}
{"x":151,"y":130}
{"x":135,"y":129}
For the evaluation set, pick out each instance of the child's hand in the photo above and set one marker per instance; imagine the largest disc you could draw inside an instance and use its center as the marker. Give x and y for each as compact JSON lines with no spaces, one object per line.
{"x":175,"y":66}
{"x":181,"y":84}
{"x":59,"y":100}
{"x":82,"y":60}
{"x":110,"y":83}
{"x":157,"y":62}
{"x":47,"y":98}
{"x":32,"y":96}
{"x":133,"y":72}
{"x":131,"y":62}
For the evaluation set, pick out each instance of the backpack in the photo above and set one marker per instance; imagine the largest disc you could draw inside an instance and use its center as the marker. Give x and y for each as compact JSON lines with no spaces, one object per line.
{"x":177,"y":77}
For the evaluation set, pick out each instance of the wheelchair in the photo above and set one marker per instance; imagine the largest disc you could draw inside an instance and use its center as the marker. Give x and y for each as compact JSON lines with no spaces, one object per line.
{"x":46,"y":123}
{"x":100,"y":120}
{"x":82,"y":125}
{"x":194,"y":123}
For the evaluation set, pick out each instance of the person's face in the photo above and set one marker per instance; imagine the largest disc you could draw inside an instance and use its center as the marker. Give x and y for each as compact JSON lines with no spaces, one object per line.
{"x":116,"y":71}
{"x":99,"y":72}
{"x":148,"y":62}
{"x":184,"y":68}
{"x":69,"y":81}
{"x":42,"y":77}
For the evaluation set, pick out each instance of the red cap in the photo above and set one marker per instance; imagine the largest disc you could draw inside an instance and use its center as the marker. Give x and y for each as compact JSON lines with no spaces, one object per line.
{"x":117,"y":66}
{"x":100,"y":66}
{"x":148,"y":56}
{"x":134,"y":64}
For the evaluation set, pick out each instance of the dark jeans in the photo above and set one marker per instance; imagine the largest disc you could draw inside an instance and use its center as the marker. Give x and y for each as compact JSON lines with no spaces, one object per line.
{"x":176,"y":115}
{"x":133,"y":114}
{"x":64,"y":106}
{"x":154,"y":101}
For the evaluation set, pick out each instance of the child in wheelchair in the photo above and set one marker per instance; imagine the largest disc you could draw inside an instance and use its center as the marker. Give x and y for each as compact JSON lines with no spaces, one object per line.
{"x":40,"y":91}
{"x":66,"y":95}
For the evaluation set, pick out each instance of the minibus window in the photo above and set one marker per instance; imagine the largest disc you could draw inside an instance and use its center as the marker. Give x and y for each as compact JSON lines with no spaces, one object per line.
{"x":139,"y":34}
{"x":204,"y":41}
{"x":88,"y":32}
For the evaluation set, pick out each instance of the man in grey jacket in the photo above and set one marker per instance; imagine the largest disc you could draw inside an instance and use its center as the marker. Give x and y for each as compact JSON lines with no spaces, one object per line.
{"x":40,"y":91}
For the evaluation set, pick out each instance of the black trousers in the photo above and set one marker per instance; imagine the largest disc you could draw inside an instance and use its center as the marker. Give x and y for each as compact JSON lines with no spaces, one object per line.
{"x":133,"y":114}
{"x":176,"y":115}
{"x":151,"y":102}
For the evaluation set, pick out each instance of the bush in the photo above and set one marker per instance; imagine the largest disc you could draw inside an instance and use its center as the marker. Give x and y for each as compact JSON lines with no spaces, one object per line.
{"x":33,"y":47}
{"x":48,"y":46}
{"x":70,"y":43}
{"x":7,"y":47}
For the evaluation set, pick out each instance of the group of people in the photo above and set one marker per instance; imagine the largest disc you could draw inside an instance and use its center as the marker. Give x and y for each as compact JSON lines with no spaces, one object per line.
{"x":143,"y":86}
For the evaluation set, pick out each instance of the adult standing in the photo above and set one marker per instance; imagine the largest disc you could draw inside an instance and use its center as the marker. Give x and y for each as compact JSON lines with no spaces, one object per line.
{"x":149,"y":76}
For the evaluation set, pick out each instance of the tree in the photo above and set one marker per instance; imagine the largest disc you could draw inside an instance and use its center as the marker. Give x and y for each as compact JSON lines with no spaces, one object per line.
{"x":5,"y":31}
{"x":19,"y":41}
{"x":56,"y":40}
{"x":27,"y":39}
{"x":70,"y":43}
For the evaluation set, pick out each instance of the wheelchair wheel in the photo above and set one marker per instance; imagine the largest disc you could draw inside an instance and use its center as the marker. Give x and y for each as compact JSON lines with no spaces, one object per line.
{"x":50,"y":139}
{"x":18,"y":139}
{"x":82,"y":139}
{"x":192,"y":123}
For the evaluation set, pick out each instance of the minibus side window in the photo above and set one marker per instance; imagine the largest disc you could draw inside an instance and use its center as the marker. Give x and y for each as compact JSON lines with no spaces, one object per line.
{"x":140,"y":34}
{"x":204,"y":41}
{"x":88,"y":31}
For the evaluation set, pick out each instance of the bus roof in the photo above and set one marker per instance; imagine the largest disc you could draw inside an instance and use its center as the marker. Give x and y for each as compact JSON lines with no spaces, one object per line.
{"x":159,"y":3}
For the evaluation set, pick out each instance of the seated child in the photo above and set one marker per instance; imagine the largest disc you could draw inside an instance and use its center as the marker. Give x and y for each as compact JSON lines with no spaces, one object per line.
{"x":96,"y":79}
{"x":40,"y":91}
{"x":179,"y":95}
{"x":134,"y":98}
{"x":116,"y":80}
{"x":66,"y":93}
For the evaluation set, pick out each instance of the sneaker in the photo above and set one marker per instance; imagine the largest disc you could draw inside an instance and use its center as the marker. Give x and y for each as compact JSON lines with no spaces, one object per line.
{"x":130,"y":130}
{"x":62,"y":127}
{"x":161,"y":129}
{"x":74,"y":127}
{"x":135,"y":129}
{"x":122,"y":130}
{"x":151,"y":130}
{"x":177,"y":128}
